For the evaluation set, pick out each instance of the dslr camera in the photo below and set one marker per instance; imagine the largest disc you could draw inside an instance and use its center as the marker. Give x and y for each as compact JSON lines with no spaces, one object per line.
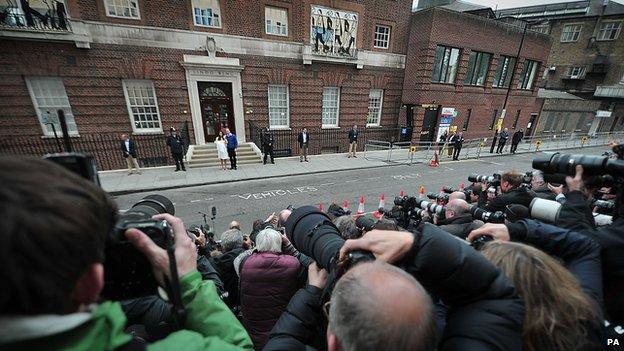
{"x":493,"y":180}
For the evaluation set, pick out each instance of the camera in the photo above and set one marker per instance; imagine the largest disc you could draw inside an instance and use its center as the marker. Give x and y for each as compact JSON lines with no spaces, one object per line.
{"x":556,"y":163}
{"x":486,"y":216}
{"x":438,"y":197}
{"x":430,"y":206}
{"x":493,"y":180}
{"x":480,"y":241}
{"x":527,"y":177}
{"x":127,"y":272}
{"x":544,"y":210}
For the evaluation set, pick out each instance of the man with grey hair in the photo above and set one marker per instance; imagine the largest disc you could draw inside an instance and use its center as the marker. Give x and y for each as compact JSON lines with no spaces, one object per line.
{"x":232,"y":246}
{"x":377,"y":307}
{"x":540,"y":187}
{"x":458,"y":220}
{"x":235,"y":225}
{"x":346,"y":226}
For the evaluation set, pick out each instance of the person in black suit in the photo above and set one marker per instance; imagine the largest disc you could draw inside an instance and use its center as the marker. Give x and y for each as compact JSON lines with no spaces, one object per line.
{"x":353,"y":138}
{"x":267,"y":145}
{"x":458,"y":142}
{"x":176,"y":144}
{"x":502,"y":140}
{"x":516,"y":139}
{"x":128,"y":146}
{"x":304,"y":141}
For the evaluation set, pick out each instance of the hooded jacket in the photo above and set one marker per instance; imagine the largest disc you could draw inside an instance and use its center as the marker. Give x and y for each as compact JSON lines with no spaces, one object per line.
{"x":209,"y":326}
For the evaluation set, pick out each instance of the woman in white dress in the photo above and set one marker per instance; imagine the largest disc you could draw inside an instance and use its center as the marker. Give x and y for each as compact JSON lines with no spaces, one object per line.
{"x":221,"y":144}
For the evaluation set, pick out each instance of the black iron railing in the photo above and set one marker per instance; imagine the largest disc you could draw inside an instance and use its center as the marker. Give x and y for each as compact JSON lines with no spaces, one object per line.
{"x":51,"y":19}
{"x":321,"y":140}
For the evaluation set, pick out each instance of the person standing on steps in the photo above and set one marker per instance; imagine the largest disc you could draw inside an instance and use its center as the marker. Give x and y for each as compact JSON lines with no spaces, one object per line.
{"x":222,"y":152}
{"x":502,"y":140}
{"x":176,"y":144}
{"x":232,"y":145}
{"x":304,"y":140}
{"x":267,"y":146}
{"x":353,"y":138}
{"x":515,"y":140}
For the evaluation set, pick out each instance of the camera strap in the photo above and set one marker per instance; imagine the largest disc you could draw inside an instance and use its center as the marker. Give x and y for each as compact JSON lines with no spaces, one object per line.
{"x":173,"y":287}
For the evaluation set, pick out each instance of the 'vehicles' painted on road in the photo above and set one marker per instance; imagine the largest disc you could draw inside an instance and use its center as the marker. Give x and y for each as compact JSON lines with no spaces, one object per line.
{"x":274,"y":193}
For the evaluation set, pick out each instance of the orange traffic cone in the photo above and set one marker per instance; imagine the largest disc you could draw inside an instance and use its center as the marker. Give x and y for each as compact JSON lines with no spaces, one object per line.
{"x":321,"y":207}
{"x":345,"y":205}
{"x":381,"y":208}
{"x":402,"y":193}
{"x":421,"y":192}
{"x":435,"y":162}
{"x":462,"y":187}
{"x":360,"y":210}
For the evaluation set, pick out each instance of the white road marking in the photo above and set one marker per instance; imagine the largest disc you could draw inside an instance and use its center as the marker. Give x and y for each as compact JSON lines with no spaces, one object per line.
{"x":195,"y":200}
{"x":351,"y":181}
{"x":326,"y":184}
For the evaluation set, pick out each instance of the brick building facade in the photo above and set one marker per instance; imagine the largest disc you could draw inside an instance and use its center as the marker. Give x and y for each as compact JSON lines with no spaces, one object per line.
{"x":478,"y":103}
{"x":143,"y":66}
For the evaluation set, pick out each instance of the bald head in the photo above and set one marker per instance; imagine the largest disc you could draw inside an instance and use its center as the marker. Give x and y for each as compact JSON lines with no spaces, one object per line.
{"x":456,"y":207}
{"x":235,"y":225}
{"x":385,"y":304}
{"x":457,"y":195}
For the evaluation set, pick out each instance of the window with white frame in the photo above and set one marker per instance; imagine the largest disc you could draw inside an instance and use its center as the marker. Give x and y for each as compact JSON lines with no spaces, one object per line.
{"x":278,"y":106}
{"x":331,"y":101}
{"x":206,"y":13}
{"x":576,"y":72}
{"x":142,"y":106}
{"x":609,"y":30}
{"x":122,"y":8}
{"x":48,"y":96}
{"x":571,"y":33}
{"x":382,"y":37}
{"x":375,"y":99}
{"x":276,"y":20}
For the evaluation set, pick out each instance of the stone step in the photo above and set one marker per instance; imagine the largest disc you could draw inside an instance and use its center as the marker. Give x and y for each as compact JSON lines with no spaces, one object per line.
{"x":215,"y":158}
{"x":210,"y":152}
{"x":194,"y":164}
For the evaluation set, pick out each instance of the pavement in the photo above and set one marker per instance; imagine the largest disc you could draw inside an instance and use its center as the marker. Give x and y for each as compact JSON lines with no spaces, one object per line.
{"x":161,"y":178}
{"x":247,"y":200}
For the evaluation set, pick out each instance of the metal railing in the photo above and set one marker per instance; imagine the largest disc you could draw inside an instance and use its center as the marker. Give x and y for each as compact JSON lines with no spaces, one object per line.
{"x":423,"y":152}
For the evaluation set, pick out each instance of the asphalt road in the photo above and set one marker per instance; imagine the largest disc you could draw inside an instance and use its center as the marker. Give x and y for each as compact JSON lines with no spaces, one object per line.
{"x":246,"y":201}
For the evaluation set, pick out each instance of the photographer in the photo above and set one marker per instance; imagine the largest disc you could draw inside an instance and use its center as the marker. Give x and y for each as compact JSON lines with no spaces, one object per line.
{"x":232,"y":243}
{"x":576,"y":215}
{"x":512,"y":193}
{"x":540,"y":187}
{"x":55,"y":224}
{"x":560,"y":313}
{"x":458,"y":220}
{"x":393,"y":310}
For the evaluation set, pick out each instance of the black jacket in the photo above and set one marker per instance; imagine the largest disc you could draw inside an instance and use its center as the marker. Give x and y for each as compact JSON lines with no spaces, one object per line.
{"x":176,"y":144}
{"x":576,"y":215}
{"x":300,"y":139}
{"x":544,"y":193}
{"x":461,"y":225}
{"x":131,"y":147}
{"x":517,"y":136}
{"x":457,"y":140}
{"x":485,"y":312}
{"x":224,"y":264}
{"x":353,"y":135}
{"x":520,"y":195}
{"x":267,"y":140}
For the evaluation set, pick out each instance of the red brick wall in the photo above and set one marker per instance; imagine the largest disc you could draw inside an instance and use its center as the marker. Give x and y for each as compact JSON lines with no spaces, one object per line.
{"x":94,"y":86}
{"x":469,"y":32}
{"x":246,"y":18}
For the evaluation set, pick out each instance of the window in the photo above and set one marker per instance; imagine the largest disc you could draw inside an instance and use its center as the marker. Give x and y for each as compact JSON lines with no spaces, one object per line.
{"x":206,"y":13}
{"x":515,"y":123}
{"x":576,"y":72}
{"x":527,"y":77}
{"x":276,"y":20}
{"x":122,"y":8}
{"x":467,"y":121}
{"x":331,"y":98}
{"x":494,"y":115}
{"x":542,"y":28}
{"x":375,"y":99}
{"x":382,"y":37}
{"x":502,"y":77}
{"x":48,"y":96}
{"x":609,"y":30}
{"x":445,"y":64}
{"x":142,"y":106}
{"x":550,"y":122}
{"x":278,"y":106}
{"x":478,"y":66}
{"x":571,"y":33}
{"x":581,"y":123}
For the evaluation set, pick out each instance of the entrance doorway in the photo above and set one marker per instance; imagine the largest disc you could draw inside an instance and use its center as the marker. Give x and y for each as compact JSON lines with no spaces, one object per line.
{"x":430,"y":120}
{"x":215,"y":100}
{"x":531,"y":125}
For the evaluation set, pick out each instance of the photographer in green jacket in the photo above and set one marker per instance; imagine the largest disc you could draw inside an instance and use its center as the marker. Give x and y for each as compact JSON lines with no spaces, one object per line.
{"x":54,"y":227}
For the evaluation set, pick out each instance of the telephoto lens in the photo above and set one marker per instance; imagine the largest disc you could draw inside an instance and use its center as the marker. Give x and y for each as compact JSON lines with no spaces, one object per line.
{"x":545,"y":210}
{"x":489,"y":217}
{"x":449,"y":189}
{"x":429,"y":206}
{"x":566,"y":164}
